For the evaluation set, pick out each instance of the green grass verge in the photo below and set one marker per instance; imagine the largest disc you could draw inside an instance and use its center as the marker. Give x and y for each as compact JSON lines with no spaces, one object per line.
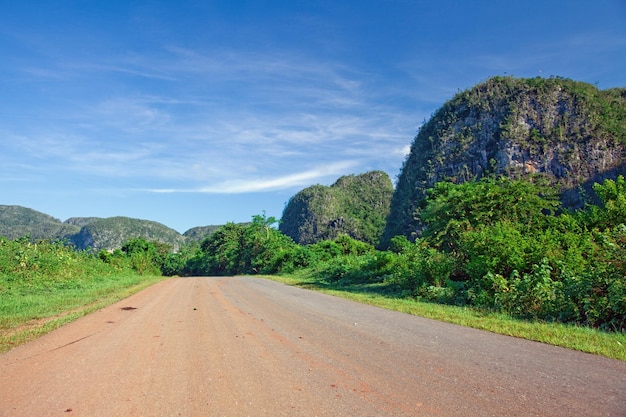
{"x":28,"y":313}
{"x":611,"y":345}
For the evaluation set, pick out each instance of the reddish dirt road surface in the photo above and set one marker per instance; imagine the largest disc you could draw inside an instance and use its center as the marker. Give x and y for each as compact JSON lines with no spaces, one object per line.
{"x":253,"y":347}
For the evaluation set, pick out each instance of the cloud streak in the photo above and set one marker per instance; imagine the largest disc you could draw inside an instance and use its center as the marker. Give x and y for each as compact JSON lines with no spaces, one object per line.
{"x":266,"y":184}
{"x":281,"y":112}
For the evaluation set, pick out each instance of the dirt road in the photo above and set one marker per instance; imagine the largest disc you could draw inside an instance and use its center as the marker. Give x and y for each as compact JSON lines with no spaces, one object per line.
{"x":252,"y":347}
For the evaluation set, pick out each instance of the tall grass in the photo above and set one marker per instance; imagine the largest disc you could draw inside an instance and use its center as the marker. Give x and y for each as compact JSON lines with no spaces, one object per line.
{"x":46,"y":284}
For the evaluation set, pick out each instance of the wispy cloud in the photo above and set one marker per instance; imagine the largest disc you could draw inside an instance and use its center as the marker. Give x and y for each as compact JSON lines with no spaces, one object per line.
{"x":131,"y":115}
{"x":225,"y":122}
{"x":255,"y":185}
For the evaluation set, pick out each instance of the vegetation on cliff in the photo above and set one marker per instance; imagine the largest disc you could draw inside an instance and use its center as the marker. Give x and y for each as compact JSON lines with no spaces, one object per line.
{"x":568,"y":131}
{"x":112,"y":232}
{"x":17,"y":221}
{"x":355,"y":205}
{"x":94,"y":233}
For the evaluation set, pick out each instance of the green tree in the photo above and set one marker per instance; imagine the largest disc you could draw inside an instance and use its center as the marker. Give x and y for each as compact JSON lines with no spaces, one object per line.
{"x":255,"y":248}
{"x":453,"y":209}
{"x":146,"y":257}
{"x":612,"y":193}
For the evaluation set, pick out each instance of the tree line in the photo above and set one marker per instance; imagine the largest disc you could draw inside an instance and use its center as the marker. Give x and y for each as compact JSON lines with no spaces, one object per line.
{"x":497,"y":244}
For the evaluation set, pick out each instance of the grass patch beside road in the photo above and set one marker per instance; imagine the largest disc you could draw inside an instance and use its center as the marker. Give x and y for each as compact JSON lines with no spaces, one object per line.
{"x":584,"y":339}
{"x":27,"y":313}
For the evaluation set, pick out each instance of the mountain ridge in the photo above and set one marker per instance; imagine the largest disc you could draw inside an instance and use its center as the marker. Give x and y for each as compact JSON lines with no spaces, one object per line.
{"x":95,"y":233}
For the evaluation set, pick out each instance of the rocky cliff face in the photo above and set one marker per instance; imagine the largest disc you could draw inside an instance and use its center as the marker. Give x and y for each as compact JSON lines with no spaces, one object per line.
{"x":356,"y":205}
{"x":570,"y":132}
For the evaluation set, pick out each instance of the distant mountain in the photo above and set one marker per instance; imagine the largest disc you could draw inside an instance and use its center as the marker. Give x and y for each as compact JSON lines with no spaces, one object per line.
{"x":17,"y":221}
{"x":112,"y":232}
{"x":197,"y":234}
{"x":567,"y":131}
{"x":84,"y":232}
{"x":356,"y":205}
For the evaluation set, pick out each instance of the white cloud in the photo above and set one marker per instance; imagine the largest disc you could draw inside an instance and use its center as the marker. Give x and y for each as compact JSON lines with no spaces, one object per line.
{"x":131,"y":115}
{"x":238,"y":121}
{"x":255,"y":185}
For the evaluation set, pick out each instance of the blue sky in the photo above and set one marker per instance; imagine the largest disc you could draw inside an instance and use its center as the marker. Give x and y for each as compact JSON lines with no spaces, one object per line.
{"x":195,"y":113}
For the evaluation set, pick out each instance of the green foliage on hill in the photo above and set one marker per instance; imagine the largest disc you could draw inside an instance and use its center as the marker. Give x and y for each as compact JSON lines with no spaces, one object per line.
{"x":81,"y":221}
{"x":17,"y":221}
{"x":112,"y":232}
{"x":84,"y":232}
{"x":356,"y":205}
{"x":567,"y":131}
{"x":197,"y":234}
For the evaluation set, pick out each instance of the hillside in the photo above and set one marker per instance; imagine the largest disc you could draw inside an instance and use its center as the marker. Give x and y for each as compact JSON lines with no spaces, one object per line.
{"x":197,"y":234}
{"x":84,"y":232}
{"x":81,"y":221}
{"x":356,"y":205}
{"x":17,"y":221}
{"x":569,"y":132}
{"x":112,"y":232}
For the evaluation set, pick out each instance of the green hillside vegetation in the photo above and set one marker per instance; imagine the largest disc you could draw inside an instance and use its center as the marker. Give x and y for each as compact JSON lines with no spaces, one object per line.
{"x":355,"y":205}
{"x":112,"y":232}
{"x":92,"y":233}
{"x":17,"y":221}
{"x":197,"y":234}
{"x":81,"y":221}
{"x":568,"y":131}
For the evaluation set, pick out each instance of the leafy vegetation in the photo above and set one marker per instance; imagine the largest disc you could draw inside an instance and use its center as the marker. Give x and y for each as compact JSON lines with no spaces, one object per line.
{"x":254,"y":248}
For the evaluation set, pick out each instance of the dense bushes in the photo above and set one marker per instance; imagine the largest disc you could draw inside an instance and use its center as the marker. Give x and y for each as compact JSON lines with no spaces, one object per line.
{"x":48,"y":265}
{"x":255,"y":248}
{"x":499,"y":244}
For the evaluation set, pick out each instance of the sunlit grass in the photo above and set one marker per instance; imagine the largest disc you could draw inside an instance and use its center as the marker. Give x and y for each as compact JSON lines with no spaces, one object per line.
{"x":584,"y":339}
